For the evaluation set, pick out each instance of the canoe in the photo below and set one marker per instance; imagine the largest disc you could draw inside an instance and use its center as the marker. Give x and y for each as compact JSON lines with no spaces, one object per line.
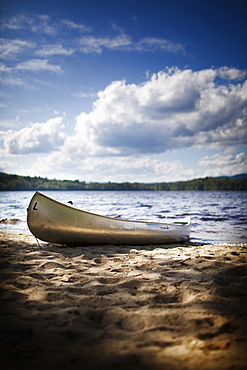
{"x":55,"y":222}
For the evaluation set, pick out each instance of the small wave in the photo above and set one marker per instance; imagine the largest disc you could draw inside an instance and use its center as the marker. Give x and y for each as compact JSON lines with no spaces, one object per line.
{"x":214,"y":218}
{"x":241,"y":222}
{"x":145,"y":205}
{"x":114,"y":215}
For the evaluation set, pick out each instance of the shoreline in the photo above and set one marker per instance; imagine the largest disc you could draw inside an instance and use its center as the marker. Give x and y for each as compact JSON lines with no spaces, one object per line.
{"x":122,"y":307}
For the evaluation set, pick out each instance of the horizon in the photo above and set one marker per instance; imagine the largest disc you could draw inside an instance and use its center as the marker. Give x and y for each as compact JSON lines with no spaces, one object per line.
{"x":127,"y":91}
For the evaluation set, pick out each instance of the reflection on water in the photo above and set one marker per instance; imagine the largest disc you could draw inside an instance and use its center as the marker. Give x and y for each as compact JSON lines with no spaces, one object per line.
{"x":217,"y":217}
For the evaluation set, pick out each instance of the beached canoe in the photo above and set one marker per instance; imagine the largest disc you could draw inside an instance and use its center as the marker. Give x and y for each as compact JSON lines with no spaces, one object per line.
{"x":60,"y":223}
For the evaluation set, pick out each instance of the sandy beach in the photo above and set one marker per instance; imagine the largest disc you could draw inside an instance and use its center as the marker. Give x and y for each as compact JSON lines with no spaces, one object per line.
{"x":122,"y":307}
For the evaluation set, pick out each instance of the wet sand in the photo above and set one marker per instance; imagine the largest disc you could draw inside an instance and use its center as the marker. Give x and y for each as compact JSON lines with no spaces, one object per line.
{"x":122,"y":307}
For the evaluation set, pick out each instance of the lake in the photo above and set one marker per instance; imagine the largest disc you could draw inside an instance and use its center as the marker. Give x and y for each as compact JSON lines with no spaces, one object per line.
{"x":217,"y":216}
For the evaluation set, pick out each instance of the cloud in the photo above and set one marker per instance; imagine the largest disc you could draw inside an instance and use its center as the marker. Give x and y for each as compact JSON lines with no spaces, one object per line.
{"x":4,"y":68}
{"x":129,"y":123}
{"x":118,"y":169}
{"x":14,"y":81}
{"x":38,"y":138}
{"x":40,"y":23}
{"x":231,"y":134}
{"x":231,"y":73}
{"x":56,"y":49}
{"x":92,"y":44}
{"x":75,"y":26}
{"x":16,"y":23}
{"x":8,"y":78}
{"x":173,"y":109}
{"x":153,"y":44}
{"x":36,"y":24}
{"x":228,"y":165}
{"x":68,"y":39}
{"x":39,"y":65}
{"x":9,"y":49}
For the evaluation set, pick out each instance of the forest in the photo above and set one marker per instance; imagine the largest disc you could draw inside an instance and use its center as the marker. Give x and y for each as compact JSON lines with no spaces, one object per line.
{"x":16,"y":182}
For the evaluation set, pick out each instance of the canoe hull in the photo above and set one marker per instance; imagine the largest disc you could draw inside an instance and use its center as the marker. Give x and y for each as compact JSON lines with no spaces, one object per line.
{"x":55,"y":222}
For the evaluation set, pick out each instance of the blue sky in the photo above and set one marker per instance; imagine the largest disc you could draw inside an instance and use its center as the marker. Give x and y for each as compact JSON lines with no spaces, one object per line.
{"x":123,"y":90}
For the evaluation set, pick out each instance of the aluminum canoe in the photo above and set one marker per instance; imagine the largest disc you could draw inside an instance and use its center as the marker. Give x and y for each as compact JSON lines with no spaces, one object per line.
{"x":55,"y":222}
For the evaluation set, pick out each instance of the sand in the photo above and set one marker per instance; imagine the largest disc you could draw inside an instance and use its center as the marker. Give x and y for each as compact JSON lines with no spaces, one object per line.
{"x":122,"y":307}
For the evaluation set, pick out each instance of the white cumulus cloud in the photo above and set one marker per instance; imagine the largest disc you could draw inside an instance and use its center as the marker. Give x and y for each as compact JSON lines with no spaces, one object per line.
{"x":38,"y":138}
{"x":120,"y":169}
{"x":173,"y":109}
{"x":229,"y":164}
{"x":231,"y":73}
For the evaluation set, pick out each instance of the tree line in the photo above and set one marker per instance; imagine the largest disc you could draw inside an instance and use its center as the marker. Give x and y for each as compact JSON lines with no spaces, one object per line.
{"x":16,"y":182}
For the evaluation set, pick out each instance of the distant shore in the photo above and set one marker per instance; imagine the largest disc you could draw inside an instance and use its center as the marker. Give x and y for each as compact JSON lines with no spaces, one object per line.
{"x":15,"y":182}
{"x":122,"y":307}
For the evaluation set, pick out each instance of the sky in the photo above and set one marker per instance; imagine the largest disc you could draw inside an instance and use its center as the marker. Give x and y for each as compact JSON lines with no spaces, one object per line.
{"x":123,"y":90}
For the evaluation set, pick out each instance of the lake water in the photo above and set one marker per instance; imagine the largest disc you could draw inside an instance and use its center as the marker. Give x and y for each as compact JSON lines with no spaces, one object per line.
{"x":217,"y":216}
